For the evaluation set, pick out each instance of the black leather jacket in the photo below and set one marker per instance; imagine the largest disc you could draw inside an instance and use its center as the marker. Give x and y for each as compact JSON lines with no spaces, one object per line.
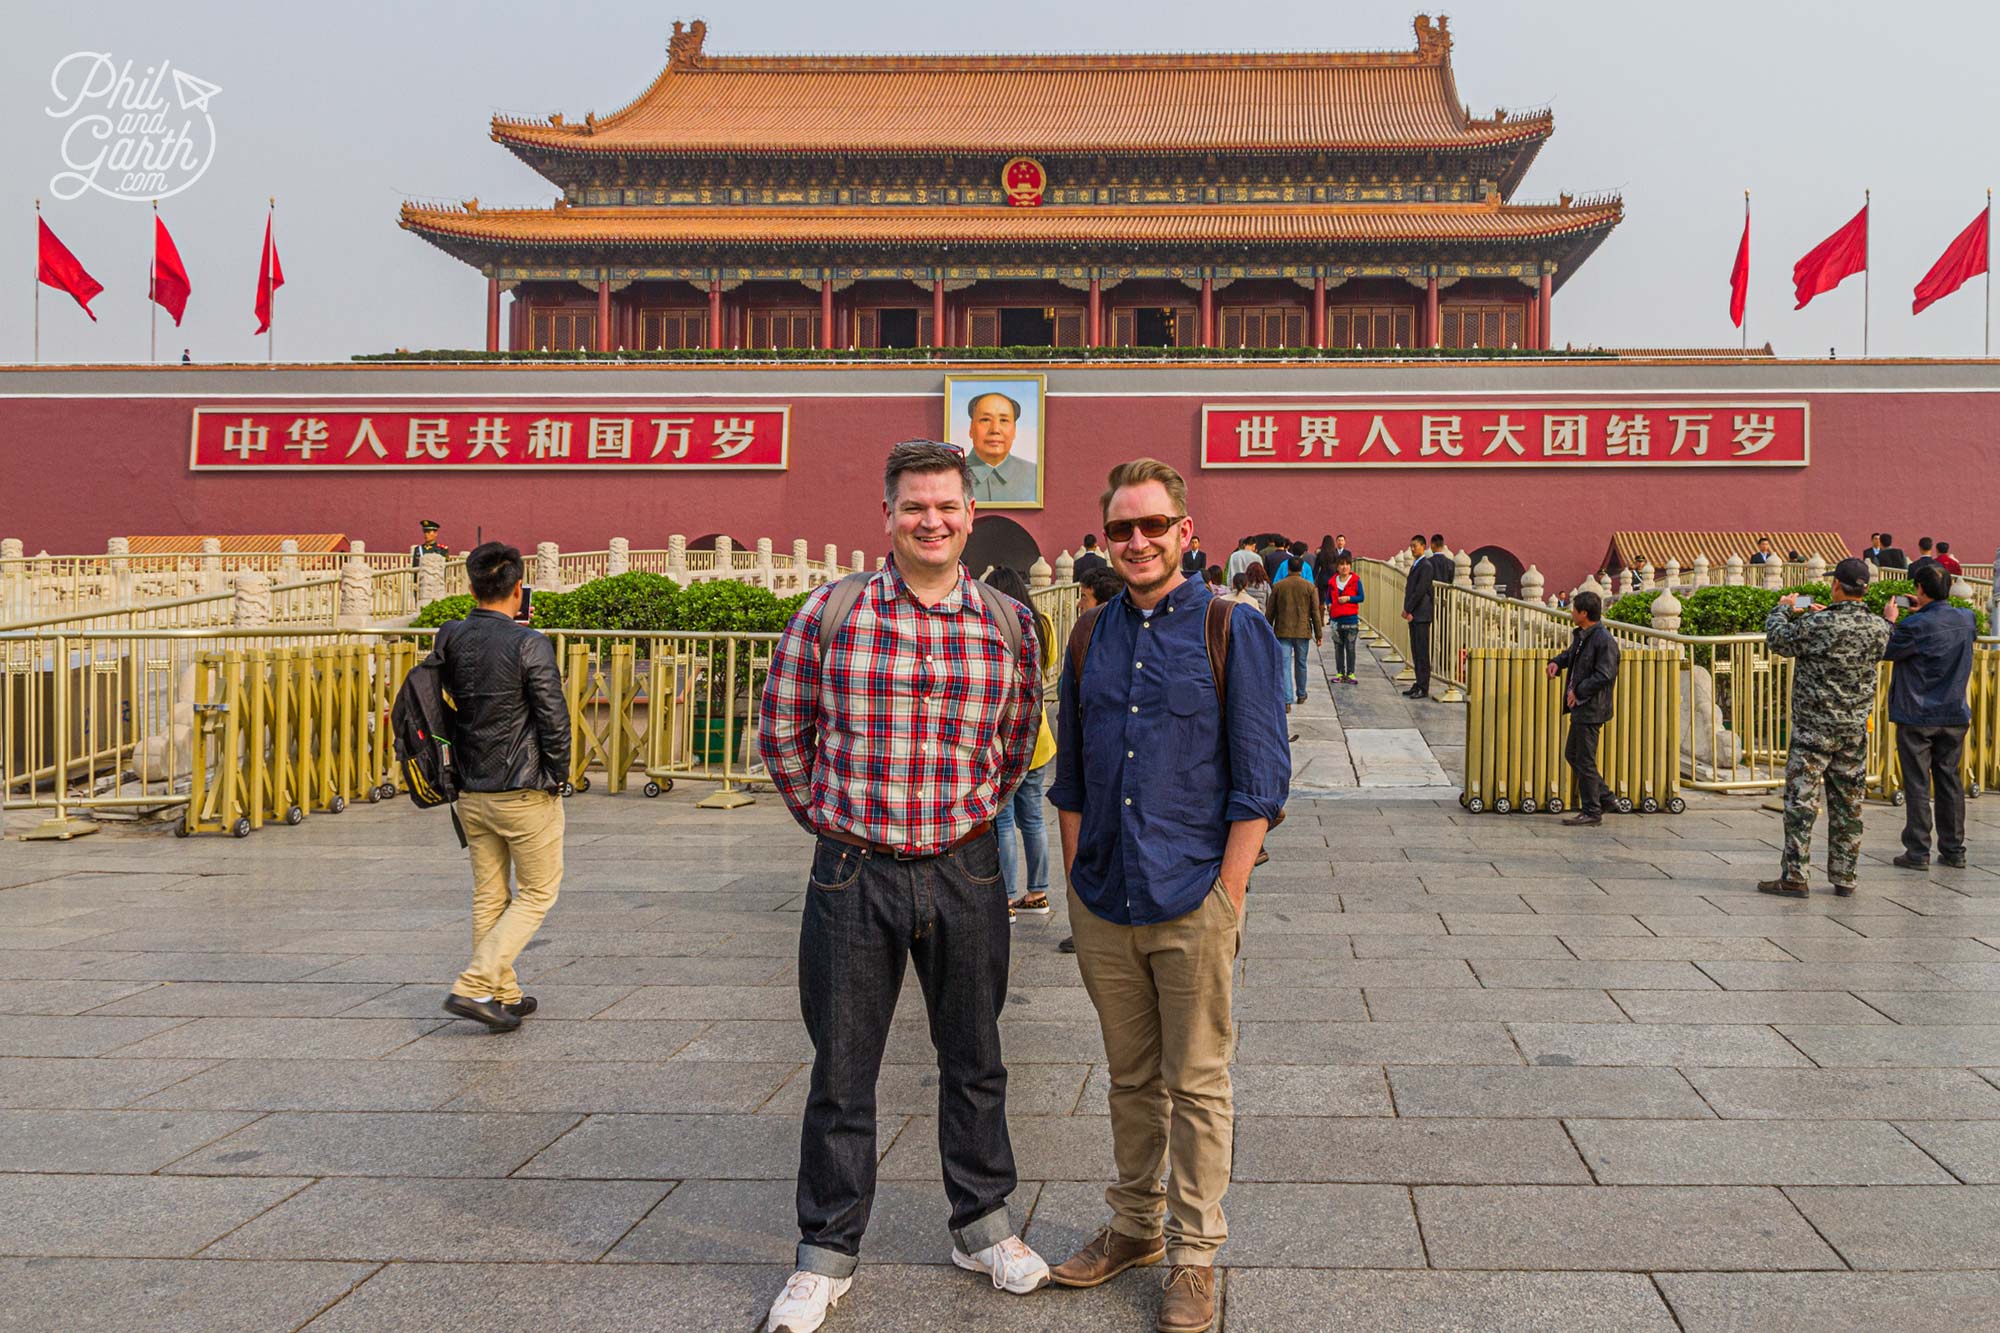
{"x":1592,"y":662}
{"x":512,"y":725}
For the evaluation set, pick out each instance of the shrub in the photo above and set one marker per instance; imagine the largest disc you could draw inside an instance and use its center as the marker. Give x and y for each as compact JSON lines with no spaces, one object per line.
{"x":721,"y":605}
{"x":443,"y":609}
{"x":625,"y":601}
{"x":1634,"y":608}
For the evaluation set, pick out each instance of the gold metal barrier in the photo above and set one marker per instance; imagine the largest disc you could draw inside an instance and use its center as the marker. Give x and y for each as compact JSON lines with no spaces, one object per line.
{"x":1515,"y":732}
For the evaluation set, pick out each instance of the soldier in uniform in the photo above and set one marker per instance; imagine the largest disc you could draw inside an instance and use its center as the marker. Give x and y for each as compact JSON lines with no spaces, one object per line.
{"x":429,"y":546}
{"x":1838,"y":648}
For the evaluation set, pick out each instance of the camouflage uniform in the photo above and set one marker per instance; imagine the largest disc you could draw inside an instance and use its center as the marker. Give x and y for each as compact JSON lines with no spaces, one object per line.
{"x":1833,"y":692}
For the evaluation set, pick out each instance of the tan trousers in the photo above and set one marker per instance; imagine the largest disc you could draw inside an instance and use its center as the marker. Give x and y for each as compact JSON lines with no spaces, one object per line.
{"x":522,"y":830}
{"x":1162,"y":995}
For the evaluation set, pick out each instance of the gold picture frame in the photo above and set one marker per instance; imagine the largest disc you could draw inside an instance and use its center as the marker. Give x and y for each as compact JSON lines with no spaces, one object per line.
{"x":980,"y":427}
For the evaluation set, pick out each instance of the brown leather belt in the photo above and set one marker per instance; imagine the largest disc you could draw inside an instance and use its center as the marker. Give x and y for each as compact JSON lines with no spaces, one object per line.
{"x":979,"y":830}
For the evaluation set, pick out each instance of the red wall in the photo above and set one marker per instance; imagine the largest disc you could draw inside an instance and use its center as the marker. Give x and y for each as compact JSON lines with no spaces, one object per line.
{"x":75,"y":471}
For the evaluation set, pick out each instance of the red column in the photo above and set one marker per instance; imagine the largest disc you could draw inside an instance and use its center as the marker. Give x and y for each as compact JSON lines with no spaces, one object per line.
{"x":1545,"y":308}
{"x":604,"y":314}
{"x":939,"y":334}
{"x":493,"y":314}
{"x":714,"y":339}
{"x":1207,"y":311}
{"x":1094,"y":334}
{"x":826,"y":314}
{"x":1319,"y":311}
{"x":1433,"y":329}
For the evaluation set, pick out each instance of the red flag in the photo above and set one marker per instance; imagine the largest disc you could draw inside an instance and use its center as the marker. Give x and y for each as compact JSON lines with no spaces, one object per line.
{"x":1964,"y":259}
{"x":1834,"y":260}
{"x":270,"y":277}
{"x":1739,"y":276}
{"x":56,"y":267}
{"x":171,"y":287}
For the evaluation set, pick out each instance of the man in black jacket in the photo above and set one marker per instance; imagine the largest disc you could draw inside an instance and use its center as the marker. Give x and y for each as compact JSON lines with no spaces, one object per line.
{"x":1932,"y":649}
{"x":1419,"y":606}
{"x":510,"y":748}
{"x":1088,"y":558}
{"x":1891,"y":555}
{"x":1592,"y":662}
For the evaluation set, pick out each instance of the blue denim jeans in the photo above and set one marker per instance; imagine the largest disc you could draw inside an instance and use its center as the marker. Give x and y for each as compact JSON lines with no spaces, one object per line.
{"x":865,"y":915}
{"x":1019,"y":821}
{"x":1346,"y":631}
{"x":1294,"y":654}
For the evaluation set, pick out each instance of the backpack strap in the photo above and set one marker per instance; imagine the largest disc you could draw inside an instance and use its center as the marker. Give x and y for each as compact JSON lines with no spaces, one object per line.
{"x":1215,"y":638}
{"x":839,"y":604}
{"x":1001,"y":608}
{"x":1079,"y":644}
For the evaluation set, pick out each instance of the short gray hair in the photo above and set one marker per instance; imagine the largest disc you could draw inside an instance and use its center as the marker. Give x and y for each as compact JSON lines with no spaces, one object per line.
{"x":924,"y":456}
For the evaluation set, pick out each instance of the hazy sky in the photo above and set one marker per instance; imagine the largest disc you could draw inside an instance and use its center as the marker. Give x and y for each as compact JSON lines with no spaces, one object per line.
{"x":344,"y":110}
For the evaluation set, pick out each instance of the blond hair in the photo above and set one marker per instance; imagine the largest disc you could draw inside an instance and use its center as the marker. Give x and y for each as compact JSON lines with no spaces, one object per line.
{"x":1137,"y":473}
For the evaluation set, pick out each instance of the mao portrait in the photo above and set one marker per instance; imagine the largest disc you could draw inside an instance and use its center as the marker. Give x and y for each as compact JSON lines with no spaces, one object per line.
{"x":997,"y":420}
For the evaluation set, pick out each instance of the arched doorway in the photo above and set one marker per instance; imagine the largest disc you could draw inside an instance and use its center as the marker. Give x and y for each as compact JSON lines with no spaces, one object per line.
{"x":998,"y":540}
{"x":708,"y":543}
{"x":1507,"y":568}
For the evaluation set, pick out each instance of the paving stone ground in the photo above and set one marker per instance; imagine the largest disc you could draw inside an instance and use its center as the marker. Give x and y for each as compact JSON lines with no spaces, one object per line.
{"x":1492,"y":1074}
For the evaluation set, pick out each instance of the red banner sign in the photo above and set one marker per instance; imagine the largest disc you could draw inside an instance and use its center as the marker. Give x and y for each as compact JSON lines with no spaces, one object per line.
{"x":402,"y":438}
{"x":1515,"y":434}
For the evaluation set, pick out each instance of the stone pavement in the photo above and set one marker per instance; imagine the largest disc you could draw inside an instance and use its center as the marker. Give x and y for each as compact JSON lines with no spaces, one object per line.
{"x":1493,"y":1074}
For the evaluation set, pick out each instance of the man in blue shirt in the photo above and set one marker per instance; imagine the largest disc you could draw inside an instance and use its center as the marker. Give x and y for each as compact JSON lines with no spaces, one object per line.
{"x":1164,"y":793}
{"x":1932,"y":650}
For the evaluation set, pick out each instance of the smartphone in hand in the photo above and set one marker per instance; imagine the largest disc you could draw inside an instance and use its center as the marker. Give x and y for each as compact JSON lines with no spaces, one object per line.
{"x":527,"y":611}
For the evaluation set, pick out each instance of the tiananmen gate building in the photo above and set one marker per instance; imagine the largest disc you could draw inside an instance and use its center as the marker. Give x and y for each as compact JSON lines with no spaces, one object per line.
{"x":1239,"y":201}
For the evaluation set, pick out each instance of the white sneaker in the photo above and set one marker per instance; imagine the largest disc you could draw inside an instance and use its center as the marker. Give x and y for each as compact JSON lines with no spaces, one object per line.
{"x":801,"y":1307}
{"x":1011,"y":1264}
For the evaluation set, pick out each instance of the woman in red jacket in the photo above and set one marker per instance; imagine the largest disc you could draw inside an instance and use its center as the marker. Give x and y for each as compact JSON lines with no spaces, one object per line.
{"x":1344,"y":599}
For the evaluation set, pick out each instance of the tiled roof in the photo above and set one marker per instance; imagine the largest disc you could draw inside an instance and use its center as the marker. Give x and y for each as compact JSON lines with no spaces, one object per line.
{"x":1309,"y":223}
{"x":1041,"y":104}
{"x":240,"y":543}
{"x":1636,"y":548}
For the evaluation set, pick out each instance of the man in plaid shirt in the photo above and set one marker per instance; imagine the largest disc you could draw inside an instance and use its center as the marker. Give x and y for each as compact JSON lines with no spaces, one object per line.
{"x":894,"y":744}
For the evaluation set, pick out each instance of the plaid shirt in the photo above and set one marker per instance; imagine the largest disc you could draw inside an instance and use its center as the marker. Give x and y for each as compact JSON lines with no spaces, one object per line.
{"x":920,"y":726}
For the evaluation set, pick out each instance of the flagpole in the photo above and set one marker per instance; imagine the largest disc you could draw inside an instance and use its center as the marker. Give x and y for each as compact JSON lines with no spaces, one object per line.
{"x":153,"y":289}
{"x":1989,"y":272}
{"x":1746,"y":294}
{"x":1867,"y":245}
{"x":270,"y":304}
{"x":38,"y":282}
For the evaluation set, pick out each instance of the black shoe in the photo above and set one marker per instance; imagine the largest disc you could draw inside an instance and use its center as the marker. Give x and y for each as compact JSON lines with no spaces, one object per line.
{"x":1955,"y":860}
{"x":1785,"y":888}
{"x":1068,"y":945}
{"x":1843,"y":890}
{"x":1585,"y":820}
{"x":1912,"y":861}
{"x":489,"y":1011}
{"x":523,"y":1007}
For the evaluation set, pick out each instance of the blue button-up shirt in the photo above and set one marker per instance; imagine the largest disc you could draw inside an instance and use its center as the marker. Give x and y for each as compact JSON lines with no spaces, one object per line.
{"x":1157,"y":769}
{"x":1932,"y":650}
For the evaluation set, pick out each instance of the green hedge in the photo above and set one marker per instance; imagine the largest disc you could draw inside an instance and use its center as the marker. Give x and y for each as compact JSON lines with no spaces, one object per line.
{"x":644,"y":602}
{"x":925,"y":354}
{"x":1742,"y":610}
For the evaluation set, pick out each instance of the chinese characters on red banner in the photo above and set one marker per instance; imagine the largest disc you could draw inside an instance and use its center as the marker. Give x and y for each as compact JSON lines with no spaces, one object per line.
{"x":1639,"y":434}
{"x":403,"y":438}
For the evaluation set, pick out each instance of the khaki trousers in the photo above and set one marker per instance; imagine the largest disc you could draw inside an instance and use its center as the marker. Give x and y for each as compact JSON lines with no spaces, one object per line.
{"x":521,"y":830}
{"x":1162,"y":995}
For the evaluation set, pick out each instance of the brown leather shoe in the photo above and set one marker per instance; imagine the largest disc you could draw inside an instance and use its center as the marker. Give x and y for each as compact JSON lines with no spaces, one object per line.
{"x":1189,"y":1305}
{"x":1785,"y":888}
{"x":1108,"y":1254}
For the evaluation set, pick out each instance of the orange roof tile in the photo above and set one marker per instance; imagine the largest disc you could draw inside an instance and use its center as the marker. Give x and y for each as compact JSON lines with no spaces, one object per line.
{"x":1041,"y":104}
{"x":240,"y":543}
{"x":941,"y":225}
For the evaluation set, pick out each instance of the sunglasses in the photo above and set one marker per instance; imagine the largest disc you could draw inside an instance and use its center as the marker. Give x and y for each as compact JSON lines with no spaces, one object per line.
{"x":1153,"y":525}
